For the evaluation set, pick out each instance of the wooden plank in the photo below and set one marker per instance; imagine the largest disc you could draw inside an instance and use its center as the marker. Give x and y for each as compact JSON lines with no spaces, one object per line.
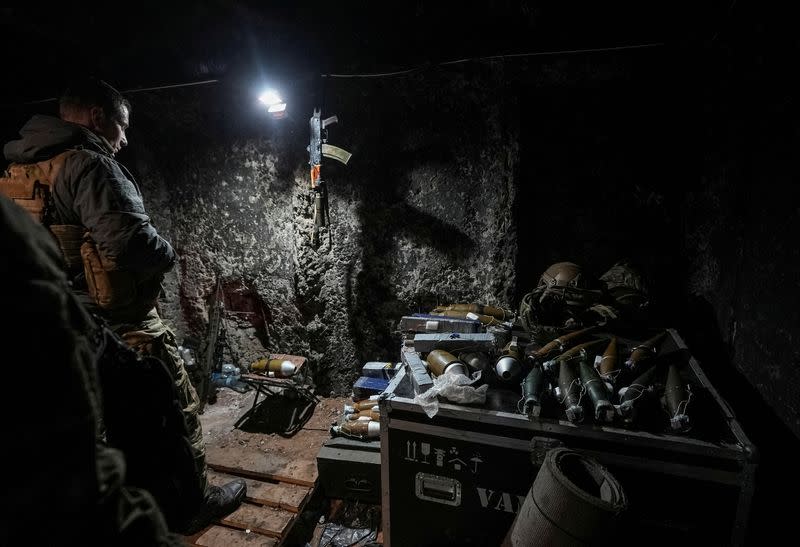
{"x":291,"y":497}
{"x":249,"y":461}
{"x":192,"y":539}
{"x":219,"y":536}
{"x":265,"y":520}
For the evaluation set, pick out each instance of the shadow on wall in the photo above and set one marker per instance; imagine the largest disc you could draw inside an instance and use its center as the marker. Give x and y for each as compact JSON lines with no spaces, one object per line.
{"x":776,"y":476}
{"x":374,"y":298}
{"x":597,"y":183}
{"x":373,"y":306}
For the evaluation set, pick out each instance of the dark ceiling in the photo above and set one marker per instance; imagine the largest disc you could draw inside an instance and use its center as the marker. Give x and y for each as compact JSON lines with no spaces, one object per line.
{"x":177,"y":42}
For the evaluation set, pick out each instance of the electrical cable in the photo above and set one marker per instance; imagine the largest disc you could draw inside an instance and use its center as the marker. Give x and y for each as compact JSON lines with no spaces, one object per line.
{"x":495,"y":57}
{"x":393,"y":73}
{"x":135,"y":90}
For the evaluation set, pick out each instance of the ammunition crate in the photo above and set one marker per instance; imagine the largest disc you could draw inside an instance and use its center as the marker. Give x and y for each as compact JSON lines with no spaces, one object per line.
{"x":350,"y":469}
{"x":460,"y":477}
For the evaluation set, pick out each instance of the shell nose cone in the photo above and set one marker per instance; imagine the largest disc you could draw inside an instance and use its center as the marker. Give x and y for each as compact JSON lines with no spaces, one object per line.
{"x":507,"y":368}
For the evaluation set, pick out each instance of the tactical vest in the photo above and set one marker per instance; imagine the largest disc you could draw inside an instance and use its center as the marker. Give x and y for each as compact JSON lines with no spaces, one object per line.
{"x":30,"y":185}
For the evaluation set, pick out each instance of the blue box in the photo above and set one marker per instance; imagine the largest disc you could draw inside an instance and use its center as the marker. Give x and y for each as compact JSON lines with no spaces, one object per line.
{"x":365,"y":386}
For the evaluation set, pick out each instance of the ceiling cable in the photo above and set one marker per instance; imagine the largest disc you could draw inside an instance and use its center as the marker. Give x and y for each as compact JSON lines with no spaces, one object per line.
{"x":156,"y":88}
{"x":495,"y":57}
{"x":398,"y":72}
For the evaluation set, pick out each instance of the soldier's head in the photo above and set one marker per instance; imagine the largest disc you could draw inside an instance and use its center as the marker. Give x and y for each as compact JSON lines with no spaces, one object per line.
{"x":96,"y":105}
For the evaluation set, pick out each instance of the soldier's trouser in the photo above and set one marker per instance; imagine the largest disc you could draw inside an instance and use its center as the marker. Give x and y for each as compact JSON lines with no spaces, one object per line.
{"x":152,"y":337}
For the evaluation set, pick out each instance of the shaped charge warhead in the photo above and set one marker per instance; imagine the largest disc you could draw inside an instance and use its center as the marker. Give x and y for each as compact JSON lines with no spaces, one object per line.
{"x":677,"y":395}
{"x":360,"y":405}
{"x":484,"y":319}
{"x":644,"y":351}
{"x":581,"y":350}
{"x":598,"y":392}
{"x":509,"y":365}
{"x":551,"y":366}
{"x":443,"y":362}
{"x":632,"y":395}
{"x":507,"y":368}
{"x":558,"y":345}
{"x":476,"y":360}
{"x":371,"y":414}
{"x":570,"y":388}
{"x":608,"y":365}
{"x":480,"y":309}
{"x":280,"y":368}
{"x":532,"y":389}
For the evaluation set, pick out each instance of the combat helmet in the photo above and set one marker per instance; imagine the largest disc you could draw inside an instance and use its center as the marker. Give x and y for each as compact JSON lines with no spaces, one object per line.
{"x":562,"y":274}
{"x":562,"y":293}
{"x":626,"y":284}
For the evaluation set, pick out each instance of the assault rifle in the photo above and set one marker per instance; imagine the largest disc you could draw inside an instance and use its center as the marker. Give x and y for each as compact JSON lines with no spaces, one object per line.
{"x":317,"y":148}
{"x":211,"y":351}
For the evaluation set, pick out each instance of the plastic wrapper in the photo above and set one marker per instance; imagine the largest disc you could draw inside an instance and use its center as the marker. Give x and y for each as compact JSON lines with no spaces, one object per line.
{"x":339,"y":535}
{"x":456,"y":388}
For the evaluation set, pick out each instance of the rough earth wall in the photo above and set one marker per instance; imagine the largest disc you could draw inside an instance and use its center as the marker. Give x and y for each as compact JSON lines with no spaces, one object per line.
{"x":741,"y":216}
{"x":421,"y":215}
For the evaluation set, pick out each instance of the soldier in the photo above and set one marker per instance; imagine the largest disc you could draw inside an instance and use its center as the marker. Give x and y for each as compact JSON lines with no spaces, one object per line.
{"x":59,"y":465}
{"x":116,"y":261}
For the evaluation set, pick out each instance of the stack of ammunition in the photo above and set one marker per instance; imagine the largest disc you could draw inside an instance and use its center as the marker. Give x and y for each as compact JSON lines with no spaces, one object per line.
{"x":360,"y":420}
{"x":587,"y":375}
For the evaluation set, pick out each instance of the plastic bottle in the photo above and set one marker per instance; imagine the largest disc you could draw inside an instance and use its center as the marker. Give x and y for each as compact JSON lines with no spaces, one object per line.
{"x":229,"y":377}
{"x":230,"y":370}
{"x":187,"y":356}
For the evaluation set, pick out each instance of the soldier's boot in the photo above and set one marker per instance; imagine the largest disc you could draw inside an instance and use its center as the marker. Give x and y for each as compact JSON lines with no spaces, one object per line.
{"x":219,"y":502}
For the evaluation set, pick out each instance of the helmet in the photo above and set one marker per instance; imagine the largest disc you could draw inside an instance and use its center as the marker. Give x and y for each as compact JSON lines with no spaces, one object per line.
{"x":562,"y":274}
{"x":562,"y":294}
{"x":627,"y":286}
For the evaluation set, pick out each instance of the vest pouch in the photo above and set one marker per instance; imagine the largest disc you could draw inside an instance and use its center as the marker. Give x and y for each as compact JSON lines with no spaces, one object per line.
{"x":110,"y":289}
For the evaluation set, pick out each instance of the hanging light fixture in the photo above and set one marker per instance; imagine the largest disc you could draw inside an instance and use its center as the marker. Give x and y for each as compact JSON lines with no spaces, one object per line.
{"x":276,"y":107}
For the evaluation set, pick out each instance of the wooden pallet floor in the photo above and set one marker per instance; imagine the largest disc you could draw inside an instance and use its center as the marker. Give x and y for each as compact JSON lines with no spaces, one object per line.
{"x":281,"y":471}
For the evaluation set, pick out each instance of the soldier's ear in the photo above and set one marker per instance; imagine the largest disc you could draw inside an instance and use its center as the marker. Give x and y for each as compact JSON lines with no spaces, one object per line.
{"x":97,"y":118}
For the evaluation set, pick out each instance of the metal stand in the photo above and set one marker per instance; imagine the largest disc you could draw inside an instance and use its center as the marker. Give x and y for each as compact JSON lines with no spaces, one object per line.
{"x":268,"y":387}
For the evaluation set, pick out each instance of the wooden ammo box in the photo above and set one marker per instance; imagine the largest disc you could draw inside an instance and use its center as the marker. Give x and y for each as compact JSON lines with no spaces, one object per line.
{"x":459,"y":478}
